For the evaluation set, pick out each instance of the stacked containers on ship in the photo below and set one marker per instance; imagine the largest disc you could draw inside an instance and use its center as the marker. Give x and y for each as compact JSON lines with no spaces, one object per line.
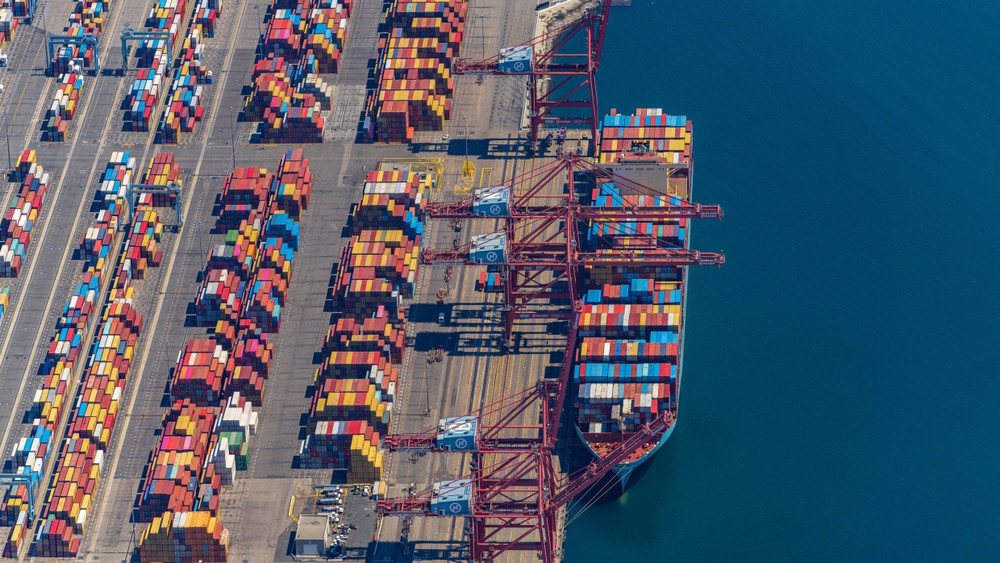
{"x":665,"y":137}
{"x":413,"y":70}
{"x":625,"y":371}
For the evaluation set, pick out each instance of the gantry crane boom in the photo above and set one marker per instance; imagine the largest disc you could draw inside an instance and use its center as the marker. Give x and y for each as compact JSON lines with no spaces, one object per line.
{"x":528,"y":199}
{"x":492,"y":428}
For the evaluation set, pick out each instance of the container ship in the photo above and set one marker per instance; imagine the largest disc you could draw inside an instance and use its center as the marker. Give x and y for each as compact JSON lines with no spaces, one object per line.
{"x":628,"y":360}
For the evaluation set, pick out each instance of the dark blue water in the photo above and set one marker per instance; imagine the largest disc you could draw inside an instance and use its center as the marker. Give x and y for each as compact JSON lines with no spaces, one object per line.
{"x":841,"y":393}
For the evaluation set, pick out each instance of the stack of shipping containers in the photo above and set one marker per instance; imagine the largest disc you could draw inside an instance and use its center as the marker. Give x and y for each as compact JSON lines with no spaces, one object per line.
{"x":489,"y":282}
{"x":666,"y":136}
{"x":185,"y":536}
{"x":24,"y":8}
{"x":355,"y":388}
{"x":304,"y":38}
{"x":19,"y":218}
{"x":8,"y":23}
{"x":626,"y":365}
{"x":219,"y":380}
{"x":166,"y":16}
{"x":63,"y":107}
{"x":67,"y":63}
{"x":87,"y":19}
{"x":184,"y":102}
{"x":413,"y":71}
{"x":33,"y":453}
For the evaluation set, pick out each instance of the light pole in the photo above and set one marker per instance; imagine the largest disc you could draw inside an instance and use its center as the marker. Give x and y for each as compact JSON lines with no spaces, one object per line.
{"x":232,"y":135}
{"x":465,"y":124}
{"x":482,"y":34}
{"x":259,"y":31}
{"x":6,"y":134}
{"x":427,"y":392}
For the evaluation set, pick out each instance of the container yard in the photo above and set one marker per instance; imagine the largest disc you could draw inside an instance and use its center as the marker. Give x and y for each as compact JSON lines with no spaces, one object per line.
{"x":258,"y":263}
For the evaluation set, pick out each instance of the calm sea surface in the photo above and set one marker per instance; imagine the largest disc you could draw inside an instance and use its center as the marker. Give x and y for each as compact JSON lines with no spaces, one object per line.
{"x":841,"y":392}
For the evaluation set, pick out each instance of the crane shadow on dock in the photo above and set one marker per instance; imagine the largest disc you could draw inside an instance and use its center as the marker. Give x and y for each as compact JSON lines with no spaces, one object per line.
{"x":397,"y":551}
{"x":483,"y":149}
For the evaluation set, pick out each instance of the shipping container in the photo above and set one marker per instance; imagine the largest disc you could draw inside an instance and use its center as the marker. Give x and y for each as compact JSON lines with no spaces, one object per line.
{"x":22,"y":214}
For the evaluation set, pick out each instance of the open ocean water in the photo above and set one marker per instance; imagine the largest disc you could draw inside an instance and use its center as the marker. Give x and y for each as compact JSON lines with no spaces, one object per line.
{"x":841,"y":392}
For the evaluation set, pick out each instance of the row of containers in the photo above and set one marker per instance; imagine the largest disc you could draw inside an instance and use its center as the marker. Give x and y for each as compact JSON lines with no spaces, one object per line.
{"x":191,"y":74}
{"x":8,"y":23}
{"x":218,"y":382}
{"x":355,"y":388}
{"x":32,"y":455}
{"x":63,"y":107}
{"x":22,"y":214}
{"x":68,"y":62}
{"x":153,"y":60}
{"x":23,"y":8}
{"x":489,"y":282}
{"x":304,"y":38}
{"x":88,"y":18}
{"x":91,"y":414}
{"x":414,"y":85}
{"x":625,"y":372}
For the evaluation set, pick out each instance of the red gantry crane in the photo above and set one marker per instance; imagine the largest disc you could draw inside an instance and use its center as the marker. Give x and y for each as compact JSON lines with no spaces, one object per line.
{"x":561,"y":66}
{"x":512,"y":495}
{"x":538,"y":248}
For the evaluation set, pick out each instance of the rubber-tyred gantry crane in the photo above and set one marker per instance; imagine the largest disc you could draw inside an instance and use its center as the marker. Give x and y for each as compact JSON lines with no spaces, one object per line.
{"x":512,"y":495}
{"x":561,"y":65}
